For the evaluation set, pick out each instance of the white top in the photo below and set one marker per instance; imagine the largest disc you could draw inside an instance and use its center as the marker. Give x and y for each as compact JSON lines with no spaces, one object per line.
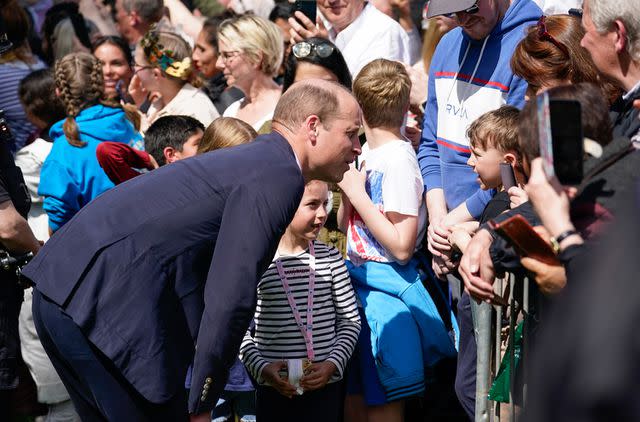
{"x":336,"y":323}
{"x":394,"y":184}
{"x":373,"y":35}
{"x":30,"y":160}
{"x":234,"y":108}
{"x":189,"y":101}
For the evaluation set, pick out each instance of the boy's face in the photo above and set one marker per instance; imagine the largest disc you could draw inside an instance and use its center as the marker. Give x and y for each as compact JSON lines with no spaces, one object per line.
{"x":486,"y":164}
{"x":312,"y":211}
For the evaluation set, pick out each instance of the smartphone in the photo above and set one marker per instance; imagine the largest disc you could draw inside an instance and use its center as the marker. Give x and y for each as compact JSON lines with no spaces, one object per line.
{"x":508,"y":177}
{"x":527,"y":242}
{"x":560,"y":137}
{"x":567,"y":140}
{"x":308,"y":7}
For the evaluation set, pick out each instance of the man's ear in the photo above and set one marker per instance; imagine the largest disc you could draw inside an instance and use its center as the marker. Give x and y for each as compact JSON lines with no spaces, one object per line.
{"x":134,"y":19}
{"x":622,"y":37}
{"x":170,"y":155}
{"x":312,"y":126}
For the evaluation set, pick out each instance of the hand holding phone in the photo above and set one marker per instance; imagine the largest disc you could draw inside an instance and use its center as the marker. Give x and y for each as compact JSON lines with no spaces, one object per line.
{"x":307,"y":7}
{"x":526,"y":241}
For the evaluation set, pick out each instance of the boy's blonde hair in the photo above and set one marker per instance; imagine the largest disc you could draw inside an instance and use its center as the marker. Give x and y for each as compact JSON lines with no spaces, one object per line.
{"x":382,"y":88}
{"x":496,"y":129}
{"x":226,"y":132}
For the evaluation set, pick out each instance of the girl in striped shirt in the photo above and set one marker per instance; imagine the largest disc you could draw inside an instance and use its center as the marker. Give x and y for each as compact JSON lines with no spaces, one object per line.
{"x":306,"y":312}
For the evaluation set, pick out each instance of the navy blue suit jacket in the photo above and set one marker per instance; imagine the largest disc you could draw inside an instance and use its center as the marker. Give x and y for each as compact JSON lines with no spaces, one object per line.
{"x":171,"y":259}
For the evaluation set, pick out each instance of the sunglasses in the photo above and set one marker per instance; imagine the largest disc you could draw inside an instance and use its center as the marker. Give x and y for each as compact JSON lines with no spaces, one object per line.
{"x":544,"y":35}
{"x":471,"y":11}
{"x":304,"y":49}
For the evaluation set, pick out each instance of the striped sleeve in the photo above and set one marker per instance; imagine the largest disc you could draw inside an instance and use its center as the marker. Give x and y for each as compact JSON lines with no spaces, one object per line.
{"x":251,"y":357}
{"x":346,"y":309}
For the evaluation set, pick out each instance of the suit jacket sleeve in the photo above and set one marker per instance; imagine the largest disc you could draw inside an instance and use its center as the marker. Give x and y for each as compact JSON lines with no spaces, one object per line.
{"x":251,"y":225}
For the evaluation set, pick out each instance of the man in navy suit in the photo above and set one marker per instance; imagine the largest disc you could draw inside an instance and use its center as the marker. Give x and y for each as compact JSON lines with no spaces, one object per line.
{"x":164,"y":267}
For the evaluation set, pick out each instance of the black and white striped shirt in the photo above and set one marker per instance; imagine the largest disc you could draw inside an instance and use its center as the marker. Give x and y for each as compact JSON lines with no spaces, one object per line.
{"x":336,"y":323}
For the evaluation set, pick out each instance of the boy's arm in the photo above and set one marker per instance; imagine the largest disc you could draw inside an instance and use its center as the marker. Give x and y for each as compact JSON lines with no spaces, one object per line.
{"x":344,"y":211}
{"x":396,"y":232}
{"x":346,"y":308}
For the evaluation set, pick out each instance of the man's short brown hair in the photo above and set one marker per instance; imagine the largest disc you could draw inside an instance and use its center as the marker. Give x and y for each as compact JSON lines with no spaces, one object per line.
{"x":496,"y":129}
{"x":308,"y":98}
{"x":382,"y":88}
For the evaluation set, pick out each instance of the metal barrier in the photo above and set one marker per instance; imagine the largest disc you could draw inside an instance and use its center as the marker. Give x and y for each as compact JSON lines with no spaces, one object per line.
{"x":488,"y":340}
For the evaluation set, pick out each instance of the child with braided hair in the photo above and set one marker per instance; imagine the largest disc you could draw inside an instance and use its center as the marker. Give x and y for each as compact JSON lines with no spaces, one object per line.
{"x":162,"y":70}
{"x":71,"y":175}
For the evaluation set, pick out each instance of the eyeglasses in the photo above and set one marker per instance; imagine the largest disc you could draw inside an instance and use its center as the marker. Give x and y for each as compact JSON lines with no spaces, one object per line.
{"x":543,"y":34}
{"x":304,"y":49}
{"x":138,"y":67}
{"x":470,"y":11}
{"x":228,"y":55}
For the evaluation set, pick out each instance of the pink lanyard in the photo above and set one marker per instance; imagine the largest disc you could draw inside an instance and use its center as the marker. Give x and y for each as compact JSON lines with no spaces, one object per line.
{"x":306,"y":330}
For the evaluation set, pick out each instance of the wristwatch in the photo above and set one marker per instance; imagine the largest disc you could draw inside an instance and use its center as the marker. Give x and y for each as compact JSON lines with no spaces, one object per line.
{"x":555,"y":241}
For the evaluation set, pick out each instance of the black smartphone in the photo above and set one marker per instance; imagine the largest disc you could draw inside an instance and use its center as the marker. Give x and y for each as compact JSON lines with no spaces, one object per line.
{"x":566,"y":135}
{"x":308,"y":7}
{"x":508,"y":177}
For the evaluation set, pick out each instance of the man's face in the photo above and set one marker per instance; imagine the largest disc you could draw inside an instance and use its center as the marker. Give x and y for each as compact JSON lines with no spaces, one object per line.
{"x":123,"y":23}
{"x":340,"y":12}
{"x":337,"y":143}
{"x":479,"y":25}
{"x":601,"y":47}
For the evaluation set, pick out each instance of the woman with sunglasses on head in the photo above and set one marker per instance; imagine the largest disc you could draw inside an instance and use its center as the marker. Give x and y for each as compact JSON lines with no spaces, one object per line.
{"x":115,"y":56}
{"x":550,"y":55}
{"x":250,"y":53}
{"x":162,"y":69}
{"x":316,"y":58}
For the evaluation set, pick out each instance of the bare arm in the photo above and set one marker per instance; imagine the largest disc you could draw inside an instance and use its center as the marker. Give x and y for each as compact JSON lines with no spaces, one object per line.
{"x":15,"y":233}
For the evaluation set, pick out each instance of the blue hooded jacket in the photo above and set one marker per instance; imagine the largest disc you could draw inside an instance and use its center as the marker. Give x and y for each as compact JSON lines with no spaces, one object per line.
{"x":468,"y":78}
{"x":71,"y":176}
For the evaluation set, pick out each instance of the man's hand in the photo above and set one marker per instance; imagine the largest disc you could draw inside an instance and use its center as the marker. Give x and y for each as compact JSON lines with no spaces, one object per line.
{"x":476,"y":267}
{"x":318,"y":375}
{"x":414,"y":135}
{"x":271,"y":374}
{"x":550,"y":278}
{"x":548,"y":199}
{"x":308,"y":29}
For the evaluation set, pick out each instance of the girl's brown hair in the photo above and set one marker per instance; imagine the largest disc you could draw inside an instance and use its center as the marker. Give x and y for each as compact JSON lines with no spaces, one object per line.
{"x":541,"y":56}
{"x":226,"y":132}
{"x":80,"y":85}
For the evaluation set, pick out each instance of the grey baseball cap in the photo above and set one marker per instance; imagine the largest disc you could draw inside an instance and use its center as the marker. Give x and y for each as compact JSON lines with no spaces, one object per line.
{"x":444,"y":7}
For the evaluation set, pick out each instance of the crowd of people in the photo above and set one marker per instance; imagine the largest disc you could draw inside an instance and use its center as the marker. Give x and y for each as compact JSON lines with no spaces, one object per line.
{"x":219,"y":210}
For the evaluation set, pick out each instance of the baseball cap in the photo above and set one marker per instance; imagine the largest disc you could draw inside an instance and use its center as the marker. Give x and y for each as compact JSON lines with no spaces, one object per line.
{"x":445,"y":7}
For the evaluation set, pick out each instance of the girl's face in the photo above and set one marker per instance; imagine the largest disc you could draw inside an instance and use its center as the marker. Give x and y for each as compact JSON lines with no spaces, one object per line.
{"x":312,"y":211}
{"x":205,"y":56}
{"x":144,"y":71}
{"x":114,"y":68}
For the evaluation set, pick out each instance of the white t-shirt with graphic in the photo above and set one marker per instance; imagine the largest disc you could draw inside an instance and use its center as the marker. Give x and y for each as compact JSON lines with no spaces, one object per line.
{"x":394,"y":184}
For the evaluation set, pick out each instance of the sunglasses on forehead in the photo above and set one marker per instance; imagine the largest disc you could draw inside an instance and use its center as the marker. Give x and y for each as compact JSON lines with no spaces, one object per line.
{"x":304,"y":49}
{"x":544,"y":35}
